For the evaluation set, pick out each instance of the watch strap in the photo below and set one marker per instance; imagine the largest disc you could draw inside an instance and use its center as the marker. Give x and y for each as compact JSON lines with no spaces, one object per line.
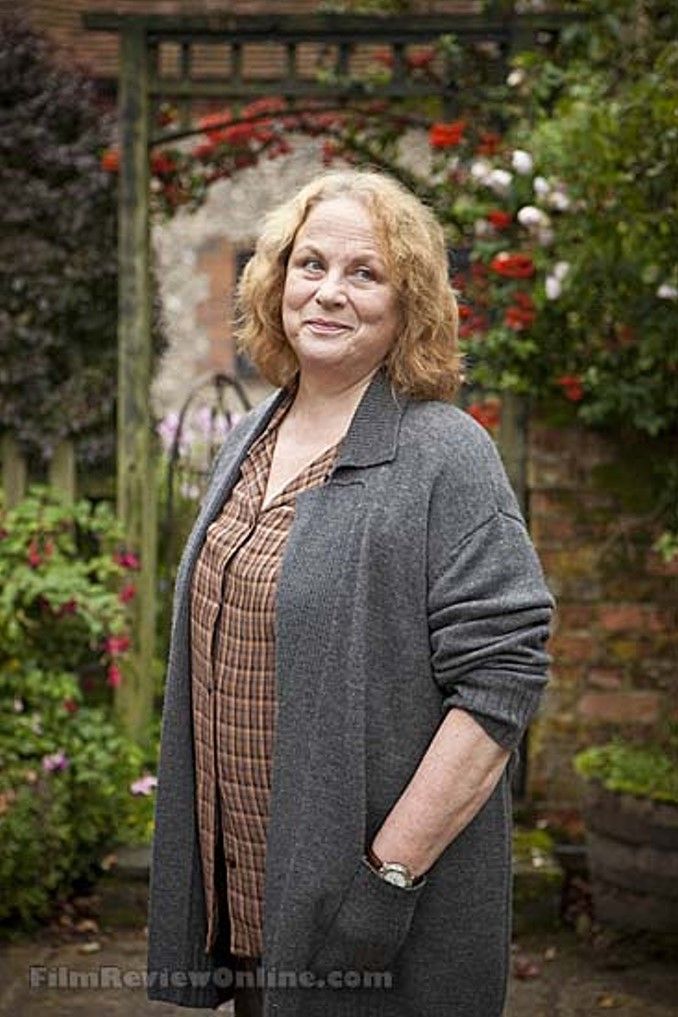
{"x":378,"y":865}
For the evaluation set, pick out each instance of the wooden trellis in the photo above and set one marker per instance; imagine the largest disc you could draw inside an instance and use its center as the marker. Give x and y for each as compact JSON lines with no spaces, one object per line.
{"x":163,"y":57}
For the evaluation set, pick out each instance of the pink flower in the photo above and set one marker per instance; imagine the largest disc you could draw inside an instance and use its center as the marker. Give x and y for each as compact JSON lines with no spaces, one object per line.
{"x":144,"y":785}
{"x":114,"y":676}
{"x":70,"y":607}
{"x":55,"y":761}
{"x":127,"y":559}
{"x":127,"y":593}
{"x":34,"y":557}
{"x":117,"y":645}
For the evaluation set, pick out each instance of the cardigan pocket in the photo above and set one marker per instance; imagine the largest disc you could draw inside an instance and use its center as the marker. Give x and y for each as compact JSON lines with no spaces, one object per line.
{"x":369,"y":927}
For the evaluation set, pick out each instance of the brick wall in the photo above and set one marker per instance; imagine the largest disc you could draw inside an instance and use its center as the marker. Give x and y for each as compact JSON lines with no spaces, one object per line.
{"x":615,"y":642}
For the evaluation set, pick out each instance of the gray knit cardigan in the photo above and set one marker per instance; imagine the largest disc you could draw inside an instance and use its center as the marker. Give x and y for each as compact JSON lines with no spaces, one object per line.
{"x":409,"y":586}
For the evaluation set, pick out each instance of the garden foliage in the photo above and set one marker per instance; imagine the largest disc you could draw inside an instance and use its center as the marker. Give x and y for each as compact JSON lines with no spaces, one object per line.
{"x":66,"y":770}
{"x":58,"y":251}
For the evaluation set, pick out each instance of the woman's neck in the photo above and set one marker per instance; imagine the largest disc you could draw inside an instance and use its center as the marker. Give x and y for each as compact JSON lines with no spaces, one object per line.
{"x":327,"y":402}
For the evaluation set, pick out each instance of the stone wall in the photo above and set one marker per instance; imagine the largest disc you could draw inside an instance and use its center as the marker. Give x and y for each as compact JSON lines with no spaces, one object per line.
{"x":615,"y":641}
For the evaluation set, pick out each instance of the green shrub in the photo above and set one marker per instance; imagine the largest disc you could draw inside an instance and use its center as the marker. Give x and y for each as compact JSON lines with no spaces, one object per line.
{"x":64,"y":793}
{"x":67,"y":772}
{"x":648,"y":771}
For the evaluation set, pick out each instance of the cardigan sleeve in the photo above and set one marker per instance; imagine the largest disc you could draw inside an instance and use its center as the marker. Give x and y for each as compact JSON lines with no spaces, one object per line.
{"x":488,"y":604}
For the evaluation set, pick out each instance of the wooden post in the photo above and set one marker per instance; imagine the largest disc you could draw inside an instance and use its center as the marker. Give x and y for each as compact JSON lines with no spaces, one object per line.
{"x":513,"y":443}
{"x":13,"y":471}
{"x":136,"y":486}
{"x":62,"y":470}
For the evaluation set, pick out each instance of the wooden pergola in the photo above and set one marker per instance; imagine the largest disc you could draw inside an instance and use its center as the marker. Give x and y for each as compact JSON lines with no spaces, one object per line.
{"x":144,"y":83}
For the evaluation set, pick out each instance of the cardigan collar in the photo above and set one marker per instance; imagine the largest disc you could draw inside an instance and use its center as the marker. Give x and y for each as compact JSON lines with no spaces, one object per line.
{"x":372,"y":435}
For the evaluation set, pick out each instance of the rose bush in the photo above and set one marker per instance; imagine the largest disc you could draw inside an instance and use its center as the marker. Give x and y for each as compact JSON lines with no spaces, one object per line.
{"x":557,"y":188}
{"x":66,"y":770}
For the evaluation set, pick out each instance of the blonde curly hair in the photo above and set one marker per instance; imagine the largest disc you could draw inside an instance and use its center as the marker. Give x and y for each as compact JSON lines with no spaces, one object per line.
{"x":424,"y":361}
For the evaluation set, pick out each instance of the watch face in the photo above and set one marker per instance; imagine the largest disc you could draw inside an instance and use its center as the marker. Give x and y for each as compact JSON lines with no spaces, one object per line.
{"x":397,"y":878}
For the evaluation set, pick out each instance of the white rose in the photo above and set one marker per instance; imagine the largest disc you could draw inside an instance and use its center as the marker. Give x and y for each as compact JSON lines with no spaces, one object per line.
{"x":499,"y":180}
{"x":480,"y":170}
{"x":541,"y":187}
{"x":522,"y":162}
{"x":560,"y":270}
{"x":482,"y":228}
{"x":559,"y":200}
{"x":530,"y":216}
{"x":667,"y":292}
{"x":553,"y":287}
{"x":516,"y":78}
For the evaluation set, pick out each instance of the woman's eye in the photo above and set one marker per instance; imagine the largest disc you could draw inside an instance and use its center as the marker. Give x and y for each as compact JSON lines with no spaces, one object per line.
{"x":312,"y":264}
{"x":364,"y":273}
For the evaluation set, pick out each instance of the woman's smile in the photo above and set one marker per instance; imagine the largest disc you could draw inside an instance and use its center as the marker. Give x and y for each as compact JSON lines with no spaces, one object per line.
{"x":325,"y":327}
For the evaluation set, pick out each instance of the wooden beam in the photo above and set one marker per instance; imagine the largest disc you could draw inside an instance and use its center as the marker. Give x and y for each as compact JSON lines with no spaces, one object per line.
{"x":320,"y":27}
{"x":62,"y":470}
{"x":14,"y":471}
{"x":300,"y":88}
{"x":513,"y":443}
{"x":136,"y":489}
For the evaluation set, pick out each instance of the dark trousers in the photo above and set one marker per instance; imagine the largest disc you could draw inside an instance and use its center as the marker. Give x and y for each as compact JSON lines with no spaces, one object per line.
{"x":248,"y":999}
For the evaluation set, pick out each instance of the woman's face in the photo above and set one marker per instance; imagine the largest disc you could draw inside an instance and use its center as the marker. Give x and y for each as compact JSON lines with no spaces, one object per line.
{"x":339,"y":309}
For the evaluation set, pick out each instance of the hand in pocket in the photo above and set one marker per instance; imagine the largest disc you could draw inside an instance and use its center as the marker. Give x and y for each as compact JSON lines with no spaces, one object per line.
{"x":370,"y":925}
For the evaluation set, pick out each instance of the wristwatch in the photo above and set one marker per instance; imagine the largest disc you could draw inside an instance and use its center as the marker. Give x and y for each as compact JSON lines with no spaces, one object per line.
{"x":392,"y":872}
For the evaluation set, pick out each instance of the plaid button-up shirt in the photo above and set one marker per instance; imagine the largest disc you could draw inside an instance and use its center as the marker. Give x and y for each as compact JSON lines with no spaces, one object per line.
{"x":233,"y":682}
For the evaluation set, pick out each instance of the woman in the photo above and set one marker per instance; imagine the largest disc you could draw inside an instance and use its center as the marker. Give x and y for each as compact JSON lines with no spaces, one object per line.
{"x":366,"y":618}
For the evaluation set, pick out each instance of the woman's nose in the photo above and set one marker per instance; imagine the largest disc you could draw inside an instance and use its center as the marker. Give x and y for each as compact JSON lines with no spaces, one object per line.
{"x":331,"y":290}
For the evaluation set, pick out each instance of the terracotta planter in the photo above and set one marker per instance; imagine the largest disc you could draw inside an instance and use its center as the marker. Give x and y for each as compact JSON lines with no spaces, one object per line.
{"x":633,"y":859}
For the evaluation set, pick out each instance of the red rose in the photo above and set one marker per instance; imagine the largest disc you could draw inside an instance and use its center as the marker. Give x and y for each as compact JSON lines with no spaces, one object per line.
{"x":127,"y":593}
{"x":214,"y":125}
{"x":71,"y":705}
{"x":572,"y":387}
{"x":488,"y":413}
{"x":110,"y":160}
{"x":518,"y":318}
{"x":513,"y":266}
{"x":205,"y":150}
{"x":523,"y":299}
{"x":446,"y":135}
{"x":269,"y":104}
{"x":499,"y":219}
{"x":241,"y":134}
{"x":473,"y":325}
{"x":162,"y":165}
